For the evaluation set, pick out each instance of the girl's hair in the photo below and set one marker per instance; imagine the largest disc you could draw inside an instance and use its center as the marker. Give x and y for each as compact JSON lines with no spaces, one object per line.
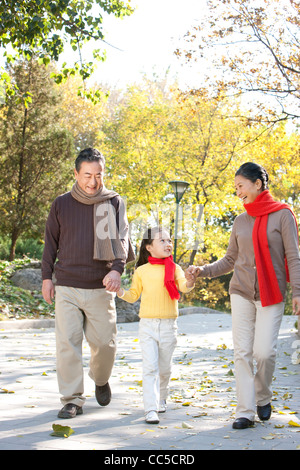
{"x":148,"y":238}
{"x":251,"y":171}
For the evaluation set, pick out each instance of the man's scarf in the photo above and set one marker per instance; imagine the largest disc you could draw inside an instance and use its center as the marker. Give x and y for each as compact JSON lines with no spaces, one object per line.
{"x":169,"y":280}
{"x":110,"y":241}
{"x":264,"y":205}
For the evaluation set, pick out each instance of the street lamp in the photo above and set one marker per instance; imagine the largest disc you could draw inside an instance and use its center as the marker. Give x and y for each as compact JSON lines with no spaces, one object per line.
{"x":179,"y":188}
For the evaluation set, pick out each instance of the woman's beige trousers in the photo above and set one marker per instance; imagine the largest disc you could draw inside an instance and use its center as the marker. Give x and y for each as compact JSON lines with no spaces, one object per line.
{"x":255,"y":332}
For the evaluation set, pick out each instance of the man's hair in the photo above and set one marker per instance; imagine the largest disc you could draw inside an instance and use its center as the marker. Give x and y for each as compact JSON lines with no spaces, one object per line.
{"x":89,"y":155}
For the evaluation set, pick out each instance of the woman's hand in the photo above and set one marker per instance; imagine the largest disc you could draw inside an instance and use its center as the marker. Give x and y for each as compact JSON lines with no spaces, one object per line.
{"x":296,"y":305}
{"x":192,"y":272}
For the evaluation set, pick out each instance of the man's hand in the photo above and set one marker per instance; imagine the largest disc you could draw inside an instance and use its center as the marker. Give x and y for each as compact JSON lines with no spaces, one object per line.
{"x":296,"y":305}
{"x":48,"y":291}
{"x":112,"y":281}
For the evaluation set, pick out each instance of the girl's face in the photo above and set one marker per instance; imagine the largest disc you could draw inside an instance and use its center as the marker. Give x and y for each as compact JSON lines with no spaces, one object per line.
{"x":161,"y":246}
{"x":246,"y":190}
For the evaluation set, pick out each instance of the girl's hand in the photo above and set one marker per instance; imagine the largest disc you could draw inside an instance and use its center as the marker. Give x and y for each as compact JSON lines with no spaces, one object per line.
{"x":190,"y":275}
{"x":112,"y":281}
{"x":192,"y":272}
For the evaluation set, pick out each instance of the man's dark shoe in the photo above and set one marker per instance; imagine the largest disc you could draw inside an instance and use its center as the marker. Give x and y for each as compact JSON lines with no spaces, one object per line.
{"x":70,"y":411}
{"x":264,"y":412}
{"x":103,"y":394}
{"x":242,"y":423}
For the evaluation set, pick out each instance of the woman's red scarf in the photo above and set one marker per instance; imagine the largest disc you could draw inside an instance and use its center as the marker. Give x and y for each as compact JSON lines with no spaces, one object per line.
{"x":263,"y":205}
{"x":169,"y":280}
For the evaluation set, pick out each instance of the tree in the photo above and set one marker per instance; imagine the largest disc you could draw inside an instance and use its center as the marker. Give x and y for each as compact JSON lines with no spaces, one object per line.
{"x":31,"y":26}
{"x":157,"y":135}
{"x":252,"y":47}
{"x":82,"y":117}
{"x":35,"y":152}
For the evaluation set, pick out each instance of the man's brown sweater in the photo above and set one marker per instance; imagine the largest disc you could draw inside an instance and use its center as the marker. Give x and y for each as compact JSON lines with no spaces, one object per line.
{"x":69,"y":240}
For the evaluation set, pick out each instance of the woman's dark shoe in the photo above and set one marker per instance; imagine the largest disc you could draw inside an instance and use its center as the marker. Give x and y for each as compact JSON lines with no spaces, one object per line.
{"x":264,"y":412}
{"x":70,"y":411}
{"x":242,"y":423}
{"x":103,"y":394}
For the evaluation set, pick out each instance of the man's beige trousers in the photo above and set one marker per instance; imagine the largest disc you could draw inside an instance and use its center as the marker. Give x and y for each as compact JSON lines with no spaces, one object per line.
{"x":255,"y":332}
{"x":83,"y":311}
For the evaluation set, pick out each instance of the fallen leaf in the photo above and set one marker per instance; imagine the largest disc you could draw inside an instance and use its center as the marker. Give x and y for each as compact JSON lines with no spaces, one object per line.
{"x":61,"y":431}
{"x":187,"y":425}
{"x":293,"y":423}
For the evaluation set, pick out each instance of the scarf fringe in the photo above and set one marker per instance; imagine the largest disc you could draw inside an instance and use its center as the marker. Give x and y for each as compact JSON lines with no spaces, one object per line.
{"x":169,"y":280}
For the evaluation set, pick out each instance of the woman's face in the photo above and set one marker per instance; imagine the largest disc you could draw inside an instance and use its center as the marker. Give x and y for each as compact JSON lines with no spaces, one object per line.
{"x":246,"y":190}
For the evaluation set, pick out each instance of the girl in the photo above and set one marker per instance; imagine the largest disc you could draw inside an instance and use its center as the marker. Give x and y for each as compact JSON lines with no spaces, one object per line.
{"x":157,"y":278}
{"x":263,"y":253}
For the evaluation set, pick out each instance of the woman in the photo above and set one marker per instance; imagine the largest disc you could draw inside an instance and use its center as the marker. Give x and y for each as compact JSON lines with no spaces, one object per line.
{"x":263,"y":252}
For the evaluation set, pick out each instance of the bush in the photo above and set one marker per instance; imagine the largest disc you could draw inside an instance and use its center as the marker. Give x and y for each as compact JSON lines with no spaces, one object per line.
{"x":211,"y":293}
{"x":30,"y":247}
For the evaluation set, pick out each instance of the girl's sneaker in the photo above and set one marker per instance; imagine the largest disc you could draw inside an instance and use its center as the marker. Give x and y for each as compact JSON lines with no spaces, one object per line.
{"x":162,"y":406}
{"x":152,"y":417}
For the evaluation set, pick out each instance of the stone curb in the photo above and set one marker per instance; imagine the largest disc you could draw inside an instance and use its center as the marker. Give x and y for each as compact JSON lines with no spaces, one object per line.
{"x":50,"y":323}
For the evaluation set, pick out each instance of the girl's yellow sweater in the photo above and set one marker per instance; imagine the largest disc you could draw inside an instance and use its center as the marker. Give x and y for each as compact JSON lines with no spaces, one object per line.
{"x":148,"y":280}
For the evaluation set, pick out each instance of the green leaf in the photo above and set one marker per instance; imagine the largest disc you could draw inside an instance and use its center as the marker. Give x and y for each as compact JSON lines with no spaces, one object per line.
{"x":61,"y":431}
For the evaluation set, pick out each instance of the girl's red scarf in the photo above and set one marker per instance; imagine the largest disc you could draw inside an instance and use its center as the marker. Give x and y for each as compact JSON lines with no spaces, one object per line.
{"x":169,"y":281}
{"x":263,"y":205}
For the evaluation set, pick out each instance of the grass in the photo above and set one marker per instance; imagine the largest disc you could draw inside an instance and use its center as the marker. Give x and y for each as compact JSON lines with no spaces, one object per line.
{"x":17,"y":303}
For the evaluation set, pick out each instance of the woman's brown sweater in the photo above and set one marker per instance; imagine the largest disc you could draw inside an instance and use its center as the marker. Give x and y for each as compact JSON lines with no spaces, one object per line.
{"x":282,"y":239}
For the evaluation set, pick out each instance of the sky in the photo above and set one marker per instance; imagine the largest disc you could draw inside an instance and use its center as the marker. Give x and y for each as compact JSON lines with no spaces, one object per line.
{"x":146,"y":42}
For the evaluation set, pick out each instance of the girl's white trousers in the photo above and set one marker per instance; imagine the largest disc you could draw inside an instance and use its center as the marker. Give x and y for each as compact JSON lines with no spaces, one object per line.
{"x":158,"y":338}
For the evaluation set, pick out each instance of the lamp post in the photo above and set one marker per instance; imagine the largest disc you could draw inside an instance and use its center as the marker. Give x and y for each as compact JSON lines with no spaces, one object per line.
{"x":179,"y":188}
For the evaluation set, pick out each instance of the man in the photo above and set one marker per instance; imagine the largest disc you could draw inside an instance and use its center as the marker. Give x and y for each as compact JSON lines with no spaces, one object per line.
{"x":86,"y":240}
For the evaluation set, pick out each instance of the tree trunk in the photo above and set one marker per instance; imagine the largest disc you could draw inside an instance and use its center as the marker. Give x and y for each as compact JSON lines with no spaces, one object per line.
{"x":14,"y":238}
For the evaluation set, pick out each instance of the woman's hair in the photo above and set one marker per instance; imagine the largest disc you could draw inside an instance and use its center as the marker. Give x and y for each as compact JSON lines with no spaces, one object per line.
{"x":251,"y":171}
{"x":148,"y":238}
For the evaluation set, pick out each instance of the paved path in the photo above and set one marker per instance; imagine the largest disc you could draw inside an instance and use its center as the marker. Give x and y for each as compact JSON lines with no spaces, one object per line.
{"x":202,"y":397}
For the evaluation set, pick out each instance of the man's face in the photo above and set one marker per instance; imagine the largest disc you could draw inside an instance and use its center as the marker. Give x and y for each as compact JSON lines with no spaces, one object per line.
{"x":90,"y":176}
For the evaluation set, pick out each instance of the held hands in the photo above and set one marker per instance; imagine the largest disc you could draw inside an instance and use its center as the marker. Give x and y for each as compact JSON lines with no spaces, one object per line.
{"x":191,"y":274}
{"x":112,"y":281}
